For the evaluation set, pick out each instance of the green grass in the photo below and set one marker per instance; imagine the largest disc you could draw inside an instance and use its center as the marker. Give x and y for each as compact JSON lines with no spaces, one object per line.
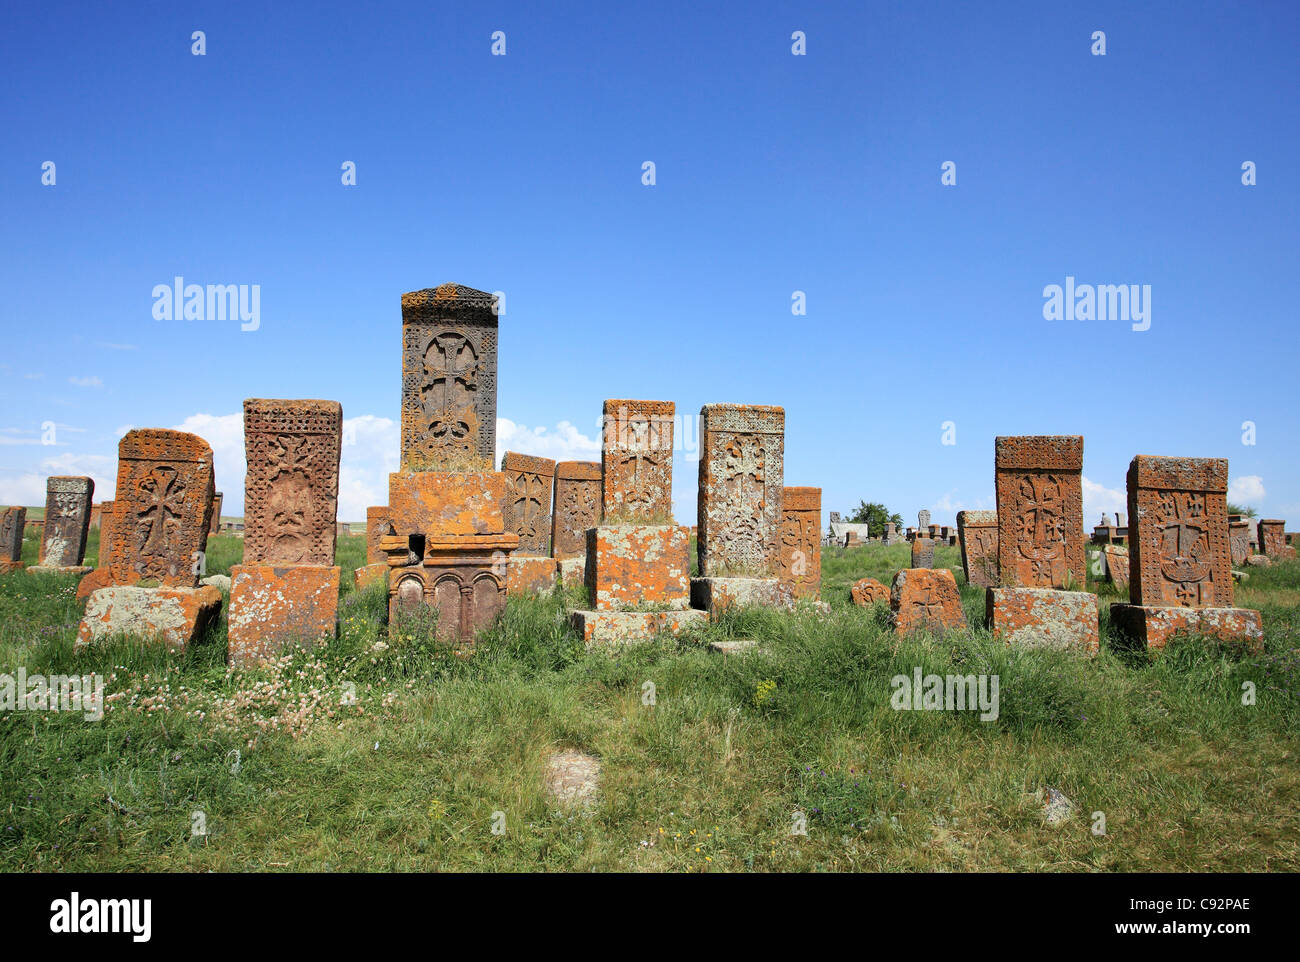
{"x":706,"y":779}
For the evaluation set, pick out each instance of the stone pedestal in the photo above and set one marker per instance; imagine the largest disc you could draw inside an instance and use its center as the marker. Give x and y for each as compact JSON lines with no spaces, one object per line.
{"x":925,"y":598}
{"x":77,"y":570}
{"x":8,"y":566}
{"x":1043,"y":618}
{"x":615,"y":627}
{"x":571,"y":571}
{"x":1152,"y":626}
{"x":367,"y":575}
{"x":529,"y":574}
{"x":462,"y":578}
{"x":273,"y":607}
{"x":175,"y":616}
{"x":716,"y":595}
{"x":631,"y":568}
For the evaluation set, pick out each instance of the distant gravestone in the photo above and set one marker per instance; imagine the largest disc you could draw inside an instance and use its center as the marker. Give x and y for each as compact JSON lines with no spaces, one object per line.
{"x":67,"y":521}
{"x":801,"y":554}
{"x":529,"y":483}
{"x":1272,"y":539}
{"x":923,"y":520}
{"x":577,"y":507}
{"x":978,"y":533}
{"x":923,"y":553}
{"x":12,"y":522}
{"x":1239,"y":541}
{"x":215,"y":527}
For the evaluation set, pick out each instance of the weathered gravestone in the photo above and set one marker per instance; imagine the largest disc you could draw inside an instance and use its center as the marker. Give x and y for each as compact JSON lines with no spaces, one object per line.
{"x":1239,"y":543}
{"x":638,"y":567}
{"x":741,"y":479}
{"x":449,"y":547}
{"x":923,"y":521}
{"x":376,"y":567}
{"x":1272,"y":540}
{"x":286,"y":589}
{"x":12,"y":523}
{"x":577,"y":507}
{"x":978,"y":533}
{"x":1180,"y":576}
{"x":801,"y":551}
{"x":158,"y":533}
{"x":529,"y":484}
{"x":215,"y":527}
{"x":867,"y":591}
{"x":922,"y":552}
{"x":925,"y":598}
{"x":1040,"y":546}
{"x":67,"y":524}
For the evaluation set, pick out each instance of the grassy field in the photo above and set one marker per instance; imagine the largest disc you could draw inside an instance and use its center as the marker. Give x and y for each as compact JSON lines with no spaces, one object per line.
{"x":705,"y":779}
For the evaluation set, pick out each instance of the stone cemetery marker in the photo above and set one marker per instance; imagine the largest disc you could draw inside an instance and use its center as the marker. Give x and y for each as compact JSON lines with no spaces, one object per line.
{"x":215,"y":527}
{"x":637,"y":460}
{"x":1239,"y":541}
{"x":105,"y":533}
{"x":1180,"y":576}
{"x":577,"y":507}
{"x":801,"y":552}
{"x":978,"y":533}
{"x":449,"y":372}
{"x":868,"y":591}
{"x":67,"y":521}
{"x":922,"y":552}
{"x":1040,"y":511}
{"x":923,"y":521}
{"x":162,"y":508}
{"x":12,"y":522}
{"x":377,"y":526}
{"x":529,"y":483}
{"x":925,"y":598}
{"x":742,"y":470}
{"x":1272,"y":539}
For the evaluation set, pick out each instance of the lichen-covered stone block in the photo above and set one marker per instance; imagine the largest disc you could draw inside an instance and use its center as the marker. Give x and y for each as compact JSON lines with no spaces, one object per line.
{"x":529,"y":574}
{"x":462,"y":579}
{"x":291,"y":486}
{"x":867,"y":591}
{"x":12,"y":523}
{"x":1178,"y":532}
{"x":742,"y":475}
{"x":367,"y":575}
{"x":275,"y":607}
{"x":162,"y":509}
{"x":624,"y":627}
{"x":177,"y":617}
{"x":1117,"y":565}
{"x":1044,"y":618}
{"x":716,"y":595}
{"x":67,"y":521}
{"x":636,"y":565}
{"x":449,"y":379}
{"x":1272,"y":540}
{"x":577,"y":507}
{"x":1154,"y":626}
{"x":1040,"y":511}
{"x":217,"y":500}
{"x":925,"y":598}
{"x":636,"y":458}
{"x":440,"y":503}
{"x":1239,"y":543}
{"x":978,"y":533}
{"x":529,"y":484}
{"x":377,"y":526}
{"x":800,"y":542}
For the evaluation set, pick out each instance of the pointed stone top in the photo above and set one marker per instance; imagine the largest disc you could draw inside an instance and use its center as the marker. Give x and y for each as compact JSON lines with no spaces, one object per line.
{"x":447,"y":300}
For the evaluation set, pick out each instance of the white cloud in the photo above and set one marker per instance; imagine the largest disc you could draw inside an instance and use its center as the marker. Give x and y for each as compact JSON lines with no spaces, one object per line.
{"x":29,"y":488}
{"x":225,"y":434}
{"x":1097,"y":499}
{"x":1246,"y":490}
{"x":944,"y":511}
{"x":91,"y":381}
{"x":372,"y":448}
{"x":564,"y":442}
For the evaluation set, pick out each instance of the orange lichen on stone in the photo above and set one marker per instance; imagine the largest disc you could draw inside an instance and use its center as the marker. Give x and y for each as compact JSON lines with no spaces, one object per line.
{"x":637,"y":459}
{"x":577,"y":507}
{"x":273,"y":607}
{"x":174,"y":616}
{"x":530,"y":482}
{"x":1044,"y":618}
{"x":801,"y":551}
{"x":527,"y":574}
{"x":925,"y":598}
{"x":377,"y":526}
{"x":630,"y":565}
{"x":446,"y":503}
{"x":367,"y":575}
{"x":1154,"y":626}
{"x":1040,"y":510}
{"x":868,"y":591}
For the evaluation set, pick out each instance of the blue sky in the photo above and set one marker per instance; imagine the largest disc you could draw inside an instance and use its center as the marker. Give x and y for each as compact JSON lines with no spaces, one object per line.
{"x":775,"y":173}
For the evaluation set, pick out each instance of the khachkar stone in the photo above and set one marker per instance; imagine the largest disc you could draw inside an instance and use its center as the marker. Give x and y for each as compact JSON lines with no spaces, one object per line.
{"x":1239,"y":539}
{"x":801,"y":551}
{"x":67,"y":524}
{"x":636,"y":558}
{"x":978,"y":533}
{"x":285,"y":591}
{"x":923,"y":521}
{"x":215,"y":527}
{"x":577,"y":508}
{"x":449,"y":379}
{"x":636,"y":458}
{"x":922,"y":552}
{"x":1272,"y":540}
{"x":1180,"y":575}
{"x":529,"y":484}
{"x":742,"y":471}
{"x":12,"y":522}
{"x":1040,"y":546}
{"x":158,"y":531}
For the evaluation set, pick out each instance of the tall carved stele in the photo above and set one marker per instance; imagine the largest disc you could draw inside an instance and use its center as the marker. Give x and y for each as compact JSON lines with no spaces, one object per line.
{"x":286,"y":589}
{"x":447,"y":548}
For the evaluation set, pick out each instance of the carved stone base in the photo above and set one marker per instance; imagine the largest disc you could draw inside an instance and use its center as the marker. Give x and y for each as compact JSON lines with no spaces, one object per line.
{"x":367,"y":575}
{"x":1152,"y":626}
{"x":463,"y":579}
{"x":1043,"y":618}
{"x":174,"y":616}
{"x":571,"y":571}
{"x":629,"y":565}
{"x":273,"y":607}
{"x":621,"y":627}
{"x":715,"y":595}
{"x":77,"y":570}
{"x":527,"y":574}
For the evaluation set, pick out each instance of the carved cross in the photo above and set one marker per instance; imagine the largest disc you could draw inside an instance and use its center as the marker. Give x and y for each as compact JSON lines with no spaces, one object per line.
{"x":743,"y":464}
{"x":528,"y":503}
{"x":166,"y":493}
{"x":449,"y":359}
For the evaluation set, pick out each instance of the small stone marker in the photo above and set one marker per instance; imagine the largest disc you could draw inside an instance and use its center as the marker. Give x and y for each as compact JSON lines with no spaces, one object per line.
{"x":1239,"y":543}
{"x":12,"y":523}
{"x":529,"y":483}
{"x":1117,"y":565}
{"x":868,"y":591}
{"x":572,"y":779}
{"x":922,"y":553}
{"x":577,"y":507}
{"x":1179,"y":557}
{"x":978,"y":533}
{"x":800,"y":544}
{"x":215,"y":527}
{"x":923,"y":520}
{"x":1272,"y":540}
{"x":925,"y":598}
{"x":67,"y":523}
